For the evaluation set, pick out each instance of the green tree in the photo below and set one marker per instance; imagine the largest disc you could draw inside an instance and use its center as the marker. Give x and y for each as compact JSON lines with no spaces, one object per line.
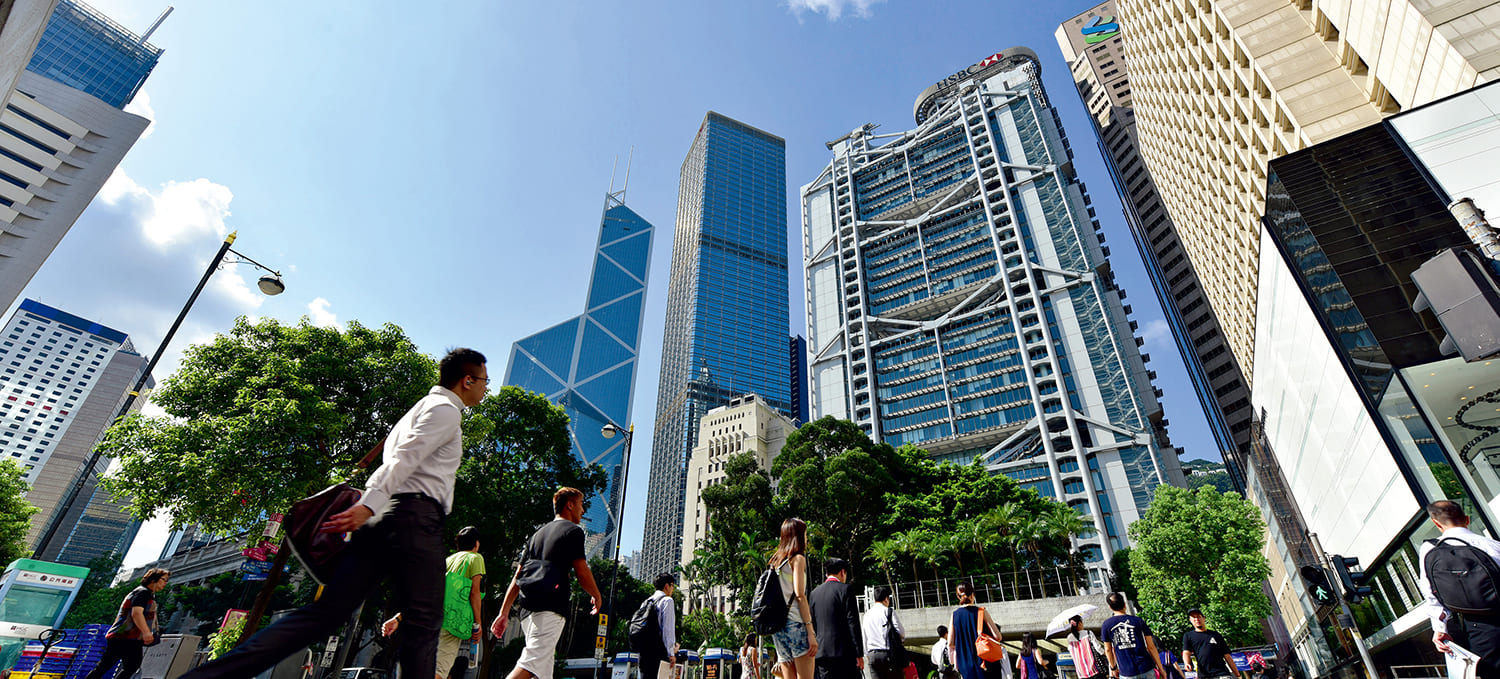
{"x":1217,"y":480}
{"x":1200,"y":549}
{"x":1119,"y":565}
{"x":706,"y":626}
{"x":831,"y":474}
{"x":629,"y":593}
{"x":741,"y":522}
{"x":258,"y":417}
{"x":15,"y":513}
{"x":517,"y":453}
{"x":102,"y":572}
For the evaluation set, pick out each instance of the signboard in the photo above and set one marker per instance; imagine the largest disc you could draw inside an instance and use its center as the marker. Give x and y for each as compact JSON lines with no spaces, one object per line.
{"x":711,"y":670}
{"x":329,"y":650}
{"x":1099,"y":29}
{"x":48,"y":579}
{"x":255,"y":570}
{"x":261,"y":552}
{"x":272,"y":526}
{"x":232,"y":616}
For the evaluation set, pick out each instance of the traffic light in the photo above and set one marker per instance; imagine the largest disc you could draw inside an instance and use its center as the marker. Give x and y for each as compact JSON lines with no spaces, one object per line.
{"x":1317,"y":585}
{"x":1462,"y":292}
{"x":1351,"y":578}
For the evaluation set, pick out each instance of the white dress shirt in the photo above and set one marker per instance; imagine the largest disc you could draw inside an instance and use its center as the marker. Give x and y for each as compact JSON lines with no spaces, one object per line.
{"x":939,"y":652}
{"x":1435,"y":610}
{"x":667,"y":614}
{"x":421,"y":454}
{"x":872,"y":625}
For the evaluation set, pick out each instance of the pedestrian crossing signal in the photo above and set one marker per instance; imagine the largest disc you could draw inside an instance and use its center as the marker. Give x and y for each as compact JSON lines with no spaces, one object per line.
{"x":1318,"y":585}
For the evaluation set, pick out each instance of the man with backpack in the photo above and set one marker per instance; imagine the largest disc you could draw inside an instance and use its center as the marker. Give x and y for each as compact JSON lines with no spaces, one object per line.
{"x":653,"y":630}
{"x":1461,"y":580}
{"x":540,"y":585}
{"x":885,"y":650}
{"x":460,"y":603}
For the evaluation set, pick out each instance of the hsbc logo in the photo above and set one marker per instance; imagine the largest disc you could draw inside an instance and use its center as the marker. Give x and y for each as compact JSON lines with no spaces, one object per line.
{"x":988,"y":61}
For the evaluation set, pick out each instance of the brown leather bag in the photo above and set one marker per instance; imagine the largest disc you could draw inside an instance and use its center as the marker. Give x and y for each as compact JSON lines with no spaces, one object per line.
{"x":319,"y":552}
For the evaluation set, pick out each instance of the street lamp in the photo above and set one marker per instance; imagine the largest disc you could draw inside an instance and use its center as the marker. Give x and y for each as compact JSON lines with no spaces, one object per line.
{"x":269,"y":284}
{"x":608,"y":431}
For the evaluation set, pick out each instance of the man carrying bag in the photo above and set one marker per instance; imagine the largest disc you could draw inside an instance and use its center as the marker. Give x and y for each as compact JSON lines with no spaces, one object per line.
{"x":398,"y":535}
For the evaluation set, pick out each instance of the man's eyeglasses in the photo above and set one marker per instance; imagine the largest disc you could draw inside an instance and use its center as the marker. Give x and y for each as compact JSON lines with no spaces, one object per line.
{"x":476,"y":377}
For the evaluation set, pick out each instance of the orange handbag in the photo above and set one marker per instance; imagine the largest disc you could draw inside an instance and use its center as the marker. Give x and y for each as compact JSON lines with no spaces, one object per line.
{"x":988,"y":648}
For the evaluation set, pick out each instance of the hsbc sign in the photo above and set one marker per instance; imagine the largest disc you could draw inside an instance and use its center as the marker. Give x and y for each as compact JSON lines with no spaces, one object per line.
{"x":988,"y":61}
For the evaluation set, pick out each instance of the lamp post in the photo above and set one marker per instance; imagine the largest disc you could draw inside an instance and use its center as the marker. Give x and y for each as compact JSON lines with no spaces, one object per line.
{"x":609,"y":431}
{"x":269,"y":284}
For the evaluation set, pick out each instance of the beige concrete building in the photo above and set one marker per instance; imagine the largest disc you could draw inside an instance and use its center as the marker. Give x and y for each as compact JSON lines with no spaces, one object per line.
{"x":747,"y":425}
{"x":1094,"y":46}
{"x":1220,"y":87}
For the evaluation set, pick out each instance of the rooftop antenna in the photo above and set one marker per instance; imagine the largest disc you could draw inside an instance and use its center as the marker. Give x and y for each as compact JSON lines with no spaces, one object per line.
{"x":628,"y":160}
{"x":614,"y":197}
{"x":147,"y":35}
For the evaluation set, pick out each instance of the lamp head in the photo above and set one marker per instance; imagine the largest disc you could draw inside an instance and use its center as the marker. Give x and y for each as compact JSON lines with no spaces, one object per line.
{"x":271,"y":285}
{"x":609,"y":431}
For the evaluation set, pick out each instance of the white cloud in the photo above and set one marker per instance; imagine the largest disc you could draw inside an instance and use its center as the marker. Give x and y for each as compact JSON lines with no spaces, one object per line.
{"x":1158,"y":335}
{"x":833,"y":9}
{"x":318,"y":311}
{"x":141,"y":106}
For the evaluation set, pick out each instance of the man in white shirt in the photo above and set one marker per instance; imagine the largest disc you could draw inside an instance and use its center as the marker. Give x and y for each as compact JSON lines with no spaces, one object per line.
{"x":1479,"y":633}
{"x":940,"y":655}
{"x":398,"y":534}
{"x":882,"y":660}
{"x":653,"y":665}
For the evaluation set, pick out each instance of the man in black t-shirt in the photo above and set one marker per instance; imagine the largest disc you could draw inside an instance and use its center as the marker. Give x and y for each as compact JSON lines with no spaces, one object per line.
{"x":541,"y":585}
{"x":1208,"y":648}
{"x":133,"y":629}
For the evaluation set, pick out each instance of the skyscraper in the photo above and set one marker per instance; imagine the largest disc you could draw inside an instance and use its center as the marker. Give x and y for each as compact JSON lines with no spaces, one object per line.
{"x":960,"y":299}
{"x":63,"y":130}
{"x":798,"y":360}
{"x":586,"y":364}
{"x":1095,"y":51}
{"x":1220,"y":88}
{"x":62,"y":381}
{"x":727,"y":309}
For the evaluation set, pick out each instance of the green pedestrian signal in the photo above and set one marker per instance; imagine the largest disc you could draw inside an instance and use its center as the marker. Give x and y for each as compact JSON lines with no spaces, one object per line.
{"x":1318,"y":585}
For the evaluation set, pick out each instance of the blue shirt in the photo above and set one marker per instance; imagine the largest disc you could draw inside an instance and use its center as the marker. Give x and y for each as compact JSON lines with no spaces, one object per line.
{"x":1127,"y":634}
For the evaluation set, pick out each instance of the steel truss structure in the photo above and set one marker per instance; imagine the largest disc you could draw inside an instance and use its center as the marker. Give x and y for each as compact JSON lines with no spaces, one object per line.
{"x":957,"y":302}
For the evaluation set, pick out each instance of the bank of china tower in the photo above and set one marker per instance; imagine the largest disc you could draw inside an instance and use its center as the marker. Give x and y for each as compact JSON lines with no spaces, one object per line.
{"x":960,"y":299}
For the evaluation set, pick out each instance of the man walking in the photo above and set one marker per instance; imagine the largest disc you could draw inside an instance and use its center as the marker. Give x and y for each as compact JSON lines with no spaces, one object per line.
{"x":1457,"y":565}
{"x":658,"y":654}
{"x":398,"y":535}
{"x":1208,"y":648}
{"x":884,"y":654}
{"x":836,"y":625}
{"x":1129,"y":643}
{"x":133,"y":629}
{"x":1087,"y":651}
{"x":540,"y":585}
{"x":460,"y":603}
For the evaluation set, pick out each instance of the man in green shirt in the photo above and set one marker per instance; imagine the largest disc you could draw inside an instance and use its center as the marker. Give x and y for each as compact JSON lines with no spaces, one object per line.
{"x":460,"y":603}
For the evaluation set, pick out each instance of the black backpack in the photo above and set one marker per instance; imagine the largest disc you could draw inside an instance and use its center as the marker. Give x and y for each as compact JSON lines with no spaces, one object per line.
{"x":769,"y":607}
{"x":645,"y":628}
{"x":1464,"y":578}
{"x":895,"y":645}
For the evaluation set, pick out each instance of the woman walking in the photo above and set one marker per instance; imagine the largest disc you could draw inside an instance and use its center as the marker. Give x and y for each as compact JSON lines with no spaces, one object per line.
{"x":750,"y":657}
{"x":968,"y":620}
{"x":796,"y":643}
{"x":1030,"y":664}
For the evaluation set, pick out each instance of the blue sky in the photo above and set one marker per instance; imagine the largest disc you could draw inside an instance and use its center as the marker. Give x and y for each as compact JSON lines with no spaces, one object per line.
{"x":445,"y":169}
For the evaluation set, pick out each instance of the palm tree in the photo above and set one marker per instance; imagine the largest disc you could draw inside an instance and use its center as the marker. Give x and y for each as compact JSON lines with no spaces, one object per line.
{"x":910,"y":545}
{"x":885,"y":552}
{"x":977,"y":531}
{"x":931,"y":549}
{"x":1002,"y":521}
{"x":1031,"y":532}
{"x":954,"y":542}
{"x":1065,"y":522}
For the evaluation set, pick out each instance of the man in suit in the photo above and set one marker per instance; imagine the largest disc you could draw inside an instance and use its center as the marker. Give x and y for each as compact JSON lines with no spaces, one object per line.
{"x":836,"y":623}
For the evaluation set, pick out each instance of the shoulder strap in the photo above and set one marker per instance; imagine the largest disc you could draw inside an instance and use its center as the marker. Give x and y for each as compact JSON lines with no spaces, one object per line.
{"x":369,"y":457}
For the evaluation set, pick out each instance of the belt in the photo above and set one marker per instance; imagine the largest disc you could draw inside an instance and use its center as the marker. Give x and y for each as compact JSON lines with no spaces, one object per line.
{"x":415,"y":496}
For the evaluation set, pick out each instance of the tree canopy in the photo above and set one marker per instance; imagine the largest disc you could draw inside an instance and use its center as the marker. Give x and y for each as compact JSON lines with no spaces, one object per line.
{"x":259,"y":417}
{"x":1200,"y":549}
{"x":15,"y":513}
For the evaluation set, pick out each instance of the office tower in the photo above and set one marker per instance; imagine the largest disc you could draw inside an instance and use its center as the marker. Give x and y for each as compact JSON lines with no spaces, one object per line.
{"x":1095,"y":51}
{"x":1367,"y":415}
{"x":960,"y":299}
{"x":63,"y":130}
{"x":62,"y":381}
{"x":1219,"y":88}
{"x":586,"y":364}
{"x":798,"y":360}
{"x":746,"y":425}
{"x":727,"y":309}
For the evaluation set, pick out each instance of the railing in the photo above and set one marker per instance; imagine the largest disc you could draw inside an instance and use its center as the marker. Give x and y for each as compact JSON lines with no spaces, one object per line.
{"x":995,"y":587}
{"x":1419,"y":671}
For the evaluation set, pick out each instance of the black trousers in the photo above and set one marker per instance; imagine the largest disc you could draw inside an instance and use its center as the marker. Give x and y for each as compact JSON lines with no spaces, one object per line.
{"x":836,"y":668}
{"x":403,"y":543}
{"x":126,"y":652}
{"x":882,"y":666}
{"x":1482,"y":637}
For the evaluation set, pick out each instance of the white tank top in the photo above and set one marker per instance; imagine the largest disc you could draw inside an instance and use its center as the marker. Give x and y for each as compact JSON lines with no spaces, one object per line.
{"x":788,"y":590}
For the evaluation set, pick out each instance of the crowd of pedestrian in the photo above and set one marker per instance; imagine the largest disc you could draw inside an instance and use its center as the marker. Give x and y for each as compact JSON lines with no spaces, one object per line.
{"x":395,"y":535}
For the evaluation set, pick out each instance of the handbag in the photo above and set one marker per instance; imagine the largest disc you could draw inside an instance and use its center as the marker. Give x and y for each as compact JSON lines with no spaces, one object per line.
{"x":910,"y":672}
{"x":988,"y":648}
{"x":319,"y":552}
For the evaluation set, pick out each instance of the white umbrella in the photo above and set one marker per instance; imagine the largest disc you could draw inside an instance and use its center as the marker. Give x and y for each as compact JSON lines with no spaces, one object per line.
{"x":1060,"y":622}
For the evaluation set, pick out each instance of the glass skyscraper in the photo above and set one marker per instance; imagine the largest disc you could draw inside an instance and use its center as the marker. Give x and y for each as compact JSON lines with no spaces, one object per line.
{"x":86,"y":50}
{"x":587,"y":363}
{"x":727,"y":308}
{"x":960,"y":299}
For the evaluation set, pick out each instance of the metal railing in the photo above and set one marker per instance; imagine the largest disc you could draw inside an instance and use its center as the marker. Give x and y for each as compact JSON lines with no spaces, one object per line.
{"x":1419,"y":671}
{"x":995,"y":587}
